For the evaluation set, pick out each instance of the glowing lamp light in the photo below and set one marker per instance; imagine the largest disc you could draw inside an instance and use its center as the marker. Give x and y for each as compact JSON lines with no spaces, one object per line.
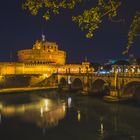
{"x":101,"y":67}
{"x":103,"y":72}
{"x":45,"y":75}
{"x":133,"y":69}
{"x":1,"y":77}
{"x":126,"y":70}
{"x":41,"y":112}
{"x":46,"y":102}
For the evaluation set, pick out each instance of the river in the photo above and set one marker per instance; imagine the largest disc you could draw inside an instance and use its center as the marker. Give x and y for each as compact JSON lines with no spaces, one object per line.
{"x":49,"y":115}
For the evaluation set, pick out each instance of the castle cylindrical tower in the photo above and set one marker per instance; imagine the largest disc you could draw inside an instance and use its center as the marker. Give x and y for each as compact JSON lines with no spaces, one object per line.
{"x":43,"y":52}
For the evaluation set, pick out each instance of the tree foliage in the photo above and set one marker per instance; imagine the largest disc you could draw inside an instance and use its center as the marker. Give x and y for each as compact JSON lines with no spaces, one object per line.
{"x":134,"y":31}
{"x":90,"y":19}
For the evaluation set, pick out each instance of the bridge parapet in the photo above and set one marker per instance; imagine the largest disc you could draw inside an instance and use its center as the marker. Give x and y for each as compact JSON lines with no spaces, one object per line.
{"x":111,"y":81}
{"x":118,"y":74}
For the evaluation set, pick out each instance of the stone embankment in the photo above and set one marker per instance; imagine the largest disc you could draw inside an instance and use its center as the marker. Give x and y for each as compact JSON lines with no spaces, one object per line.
{"x":12,"y":90}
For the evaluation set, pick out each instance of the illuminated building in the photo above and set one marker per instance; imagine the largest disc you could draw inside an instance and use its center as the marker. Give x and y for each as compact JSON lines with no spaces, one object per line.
{"x":43,"y":53}
{"x":43,"y":59}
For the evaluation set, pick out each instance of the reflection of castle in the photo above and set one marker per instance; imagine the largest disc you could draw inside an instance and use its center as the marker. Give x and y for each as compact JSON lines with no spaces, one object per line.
{"x":43,"y":58}
{"x":45,"y":113}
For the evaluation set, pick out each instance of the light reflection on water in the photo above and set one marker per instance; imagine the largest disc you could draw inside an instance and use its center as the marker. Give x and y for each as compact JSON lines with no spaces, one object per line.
{"x":44,"y":112}
{"x":67,"y":117}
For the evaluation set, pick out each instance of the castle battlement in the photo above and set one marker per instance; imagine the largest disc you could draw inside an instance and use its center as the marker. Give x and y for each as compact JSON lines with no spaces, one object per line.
{"x":43,"y":58}
{"x":43,"y":52}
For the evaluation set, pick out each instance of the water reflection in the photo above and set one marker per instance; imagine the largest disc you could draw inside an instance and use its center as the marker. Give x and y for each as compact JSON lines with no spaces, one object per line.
{"x":78,"y":115}
{"x":0,"y":119}
{"x":101,"y":126}
{"x":45,"y":113}
{"x":110,"y":121}
{"x":69,"y":102}
{"x":76,"y":118}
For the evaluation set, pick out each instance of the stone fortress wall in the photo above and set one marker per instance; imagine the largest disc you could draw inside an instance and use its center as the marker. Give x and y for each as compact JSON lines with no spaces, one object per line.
{"x":43,"y":52}
{"x":44,"y":58}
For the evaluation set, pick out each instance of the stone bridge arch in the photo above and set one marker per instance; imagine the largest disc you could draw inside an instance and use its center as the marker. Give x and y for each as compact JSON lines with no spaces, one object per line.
{"x":100,"y":86}
{"x":132,"y":88}
{"x":62,"y":82}
{"x":70,"y":82}
{"x":77,"y":84}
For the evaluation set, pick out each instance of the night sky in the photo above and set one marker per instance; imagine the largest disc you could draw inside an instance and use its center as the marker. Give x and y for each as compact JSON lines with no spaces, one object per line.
{"x":19,"y":30}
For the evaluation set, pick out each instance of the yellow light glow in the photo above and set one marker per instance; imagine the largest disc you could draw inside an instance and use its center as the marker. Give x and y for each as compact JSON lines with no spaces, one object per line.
{"x":0,"y":118}
{"x":78,"y":115}
{"x":64,"y":107}
{"x":46,"y":105}
{"x":41,"y":112}
{"x":133,"y":70}
{"x":1,"y":77}
{"x":1,"y":106}
{"x":45,"y":75}
{"x":46,"y":113}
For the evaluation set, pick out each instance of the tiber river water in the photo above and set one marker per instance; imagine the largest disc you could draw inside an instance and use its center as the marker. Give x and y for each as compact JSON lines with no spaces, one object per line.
{"x":47,"y":115}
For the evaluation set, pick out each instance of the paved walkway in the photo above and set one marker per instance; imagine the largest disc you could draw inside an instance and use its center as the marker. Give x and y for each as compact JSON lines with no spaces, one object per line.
{"x":6,"y":90}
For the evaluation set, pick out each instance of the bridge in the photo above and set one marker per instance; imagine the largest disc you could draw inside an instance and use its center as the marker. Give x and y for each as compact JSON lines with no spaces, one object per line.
{"x":114,"y":84}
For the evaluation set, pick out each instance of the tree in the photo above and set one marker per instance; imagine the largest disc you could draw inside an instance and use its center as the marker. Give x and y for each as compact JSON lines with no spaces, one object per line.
{"x":90,"y":19}
{"x":134,"y":31}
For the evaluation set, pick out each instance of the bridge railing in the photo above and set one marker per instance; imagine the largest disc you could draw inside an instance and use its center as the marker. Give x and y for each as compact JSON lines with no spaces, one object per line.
{"x":104,"y":75}
{"x":136,"y":75}
{"x":120,"y":74}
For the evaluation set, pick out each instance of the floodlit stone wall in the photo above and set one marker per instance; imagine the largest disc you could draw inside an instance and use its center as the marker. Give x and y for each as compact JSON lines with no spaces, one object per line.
{"x":43,"y":52}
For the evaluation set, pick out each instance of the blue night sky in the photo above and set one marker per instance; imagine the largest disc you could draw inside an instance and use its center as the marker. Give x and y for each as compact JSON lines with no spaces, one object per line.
{"x":19,"y":30}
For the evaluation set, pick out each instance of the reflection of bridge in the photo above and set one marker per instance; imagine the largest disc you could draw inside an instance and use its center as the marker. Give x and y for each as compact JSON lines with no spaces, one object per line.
{"x":119,"y":84}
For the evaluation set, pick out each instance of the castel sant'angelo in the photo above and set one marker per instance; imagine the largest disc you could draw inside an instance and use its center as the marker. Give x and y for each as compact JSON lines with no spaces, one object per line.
{"x":43,"y":52}
{"x":44,"y":58}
